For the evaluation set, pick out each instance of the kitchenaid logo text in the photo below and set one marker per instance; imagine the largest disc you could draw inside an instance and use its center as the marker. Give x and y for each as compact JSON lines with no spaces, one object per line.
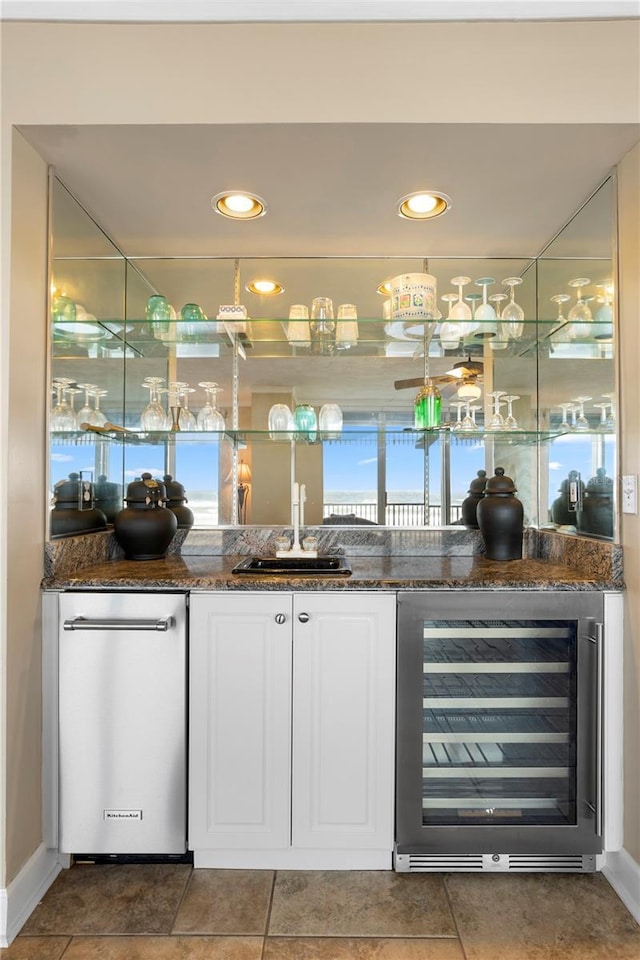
{"x":123,"y":814}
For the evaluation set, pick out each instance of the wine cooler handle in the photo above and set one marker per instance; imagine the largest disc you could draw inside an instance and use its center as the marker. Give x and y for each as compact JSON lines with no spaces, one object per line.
{"x":599,"y":642}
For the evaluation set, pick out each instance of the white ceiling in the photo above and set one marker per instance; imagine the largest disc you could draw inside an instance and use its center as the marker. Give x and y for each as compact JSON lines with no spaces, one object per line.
{"x":332,"y":189}
{"x":315,"y":10}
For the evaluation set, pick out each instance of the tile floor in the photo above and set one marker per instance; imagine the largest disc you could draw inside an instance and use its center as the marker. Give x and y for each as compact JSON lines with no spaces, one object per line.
{"x":170,"y":912}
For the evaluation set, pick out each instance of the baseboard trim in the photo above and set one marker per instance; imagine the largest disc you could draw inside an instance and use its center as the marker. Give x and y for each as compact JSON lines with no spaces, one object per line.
{"x":623,"y":873}
{"x":20,"y":898}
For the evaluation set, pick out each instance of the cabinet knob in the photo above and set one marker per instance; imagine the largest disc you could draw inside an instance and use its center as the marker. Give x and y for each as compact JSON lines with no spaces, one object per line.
{"x":303,"y":617}
{"x":281,"y":618}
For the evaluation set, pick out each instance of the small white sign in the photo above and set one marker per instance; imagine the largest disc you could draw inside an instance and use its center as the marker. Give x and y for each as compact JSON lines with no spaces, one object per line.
{"x":123,"y":814}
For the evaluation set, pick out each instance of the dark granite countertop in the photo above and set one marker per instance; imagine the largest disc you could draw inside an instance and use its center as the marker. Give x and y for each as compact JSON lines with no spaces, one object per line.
{"x":176,"y":572}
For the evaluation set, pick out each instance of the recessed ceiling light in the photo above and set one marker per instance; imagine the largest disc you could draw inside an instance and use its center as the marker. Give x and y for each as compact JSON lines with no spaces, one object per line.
{"x":384,"y":288}
{"x":238,"y":205}
{"x":423,"y":205}
{"x":265,"y":288}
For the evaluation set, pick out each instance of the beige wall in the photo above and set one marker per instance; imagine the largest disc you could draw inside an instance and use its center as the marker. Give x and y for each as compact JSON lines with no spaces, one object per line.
{"x":26,"y":503}
{"x":531,"y":72}
{"x":629,"y":228}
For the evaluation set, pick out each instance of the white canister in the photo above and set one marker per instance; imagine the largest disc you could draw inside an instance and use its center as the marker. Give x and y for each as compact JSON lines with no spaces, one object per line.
{"x":414,"y":296}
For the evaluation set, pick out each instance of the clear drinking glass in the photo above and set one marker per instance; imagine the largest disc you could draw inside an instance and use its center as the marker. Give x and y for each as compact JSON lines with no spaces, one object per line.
{"x":158,"y":316}
{"x":347,"y":326}
{"x":191,"y":317}
{"x":298,"y":333}
{"x":306,"y":422}
{"x":322,"y":320}
{"x":330,"y":421}
{"x":281,"y":425}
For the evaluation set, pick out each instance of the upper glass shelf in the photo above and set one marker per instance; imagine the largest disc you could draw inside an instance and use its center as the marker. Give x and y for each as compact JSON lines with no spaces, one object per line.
{"x":370,"y":337}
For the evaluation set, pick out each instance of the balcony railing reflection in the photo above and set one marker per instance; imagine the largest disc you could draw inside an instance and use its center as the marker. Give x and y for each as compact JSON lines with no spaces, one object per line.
{"x":395,"y":515}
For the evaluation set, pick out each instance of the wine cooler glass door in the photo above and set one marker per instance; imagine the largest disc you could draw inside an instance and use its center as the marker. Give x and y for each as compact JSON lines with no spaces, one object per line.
{"x":497,"y":728}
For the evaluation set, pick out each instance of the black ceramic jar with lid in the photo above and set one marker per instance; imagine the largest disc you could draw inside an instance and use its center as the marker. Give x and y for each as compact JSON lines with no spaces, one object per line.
{"x":108,"y":497}
{"x":501,"y":518}
{"x":596,"y":514}
{"x":145,"y":528}
{"x":176,"y":502}
{"x":470,"y":503}
{"x":73,"y":507}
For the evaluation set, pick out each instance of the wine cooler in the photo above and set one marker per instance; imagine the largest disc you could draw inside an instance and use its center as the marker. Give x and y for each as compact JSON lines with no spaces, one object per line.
{"x":499,"y":731}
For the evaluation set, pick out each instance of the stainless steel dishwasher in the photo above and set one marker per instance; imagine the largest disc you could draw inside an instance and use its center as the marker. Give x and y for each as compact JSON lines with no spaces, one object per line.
{"x":122,"y":723}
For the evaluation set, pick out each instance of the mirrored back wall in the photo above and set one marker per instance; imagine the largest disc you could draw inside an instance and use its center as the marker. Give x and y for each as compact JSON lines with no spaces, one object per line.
{"x":111,"y":353}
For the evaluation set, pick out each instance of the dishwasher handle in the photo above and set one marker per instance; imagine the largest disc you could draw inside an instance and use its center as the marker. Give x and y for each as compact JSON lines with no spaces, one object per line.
{"x":160,"y":625}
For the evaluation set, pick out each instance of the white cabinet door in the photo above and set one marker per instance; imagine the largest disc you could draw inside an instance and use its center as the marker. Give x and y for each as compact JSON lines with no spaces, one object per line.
{"x":344,"y":721}
{"x":240,"y":721}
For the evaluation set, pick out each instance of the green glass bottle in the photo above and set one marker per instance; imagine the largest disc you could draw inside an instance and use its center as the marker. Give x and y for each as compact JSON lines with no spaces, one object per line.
{"x":427,"y":408}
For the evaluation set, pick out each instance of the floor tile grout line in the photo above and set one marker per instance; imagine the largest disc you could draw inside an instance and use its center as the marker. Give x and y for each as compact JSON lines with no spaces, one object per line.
{"x":66,"y":947}
{"x":181,"y":901}
{"x":268,"y":917}
{"x":453,"y":915}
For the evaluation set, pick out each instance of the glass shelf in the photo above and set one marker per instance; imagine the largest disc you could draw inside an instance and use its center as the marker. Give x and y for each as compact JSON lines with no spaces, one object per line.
{"x":363,"y":434}
{"x":266,"y":337}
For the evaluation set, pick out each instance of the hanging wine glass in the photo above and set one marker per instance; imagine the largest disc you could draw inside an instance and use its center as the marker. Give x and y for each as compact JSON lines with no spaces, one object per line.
{"x":62,"y":418}
{"x":603,"y":316}
{"x":580,"y":315}
{"x":572,"y":409}
{"x":98,"y":418}
{"x":458,"y":404}
{"x":86,"y":410}
{"x":473,"y":410}
{"x":450,"y":330}
{"x":564,"y":423}
{"x":460,"y":312}
{"x":71,"y":393}
{"x":610,"y":421}
{"x":209,"y":418}
{"x":215,"y":420}
{"x":485,"y":314}
{"x":501,"y":340}
{"x":561,"y":331}
{"x":153,"y":417}
{"x":603,"y":407}
{"x":474,"y":299}
{"x":468,"y":424}
{"x":581,"y":422}
{"x":497,"y":420}
{"x":513,"y":314}
{"x":510,"y":422}
{"x":187,"y":418}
